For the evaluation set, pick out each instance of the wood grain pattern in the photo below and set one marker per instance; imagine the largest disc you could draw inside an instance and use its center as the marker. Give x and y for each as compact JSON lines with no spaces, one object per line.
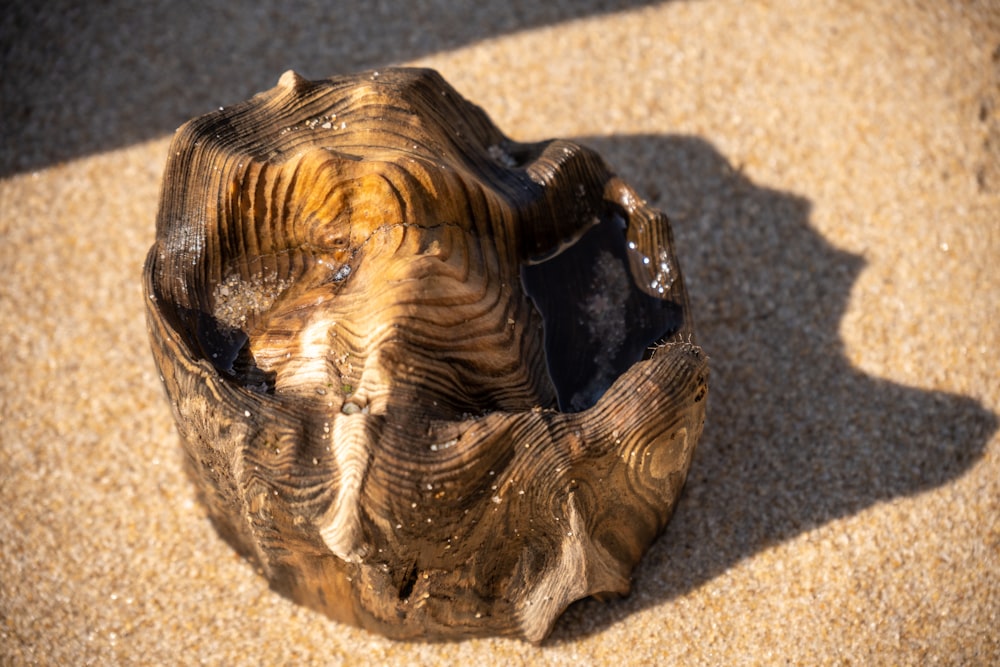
{"x":436,"y":383}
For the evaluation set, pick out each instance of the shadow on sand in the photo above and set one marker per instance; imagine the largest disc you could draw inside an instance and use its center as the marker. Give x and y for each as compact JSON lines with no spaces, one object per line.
{"x":796,"y":436}
{"x":83,"y":77}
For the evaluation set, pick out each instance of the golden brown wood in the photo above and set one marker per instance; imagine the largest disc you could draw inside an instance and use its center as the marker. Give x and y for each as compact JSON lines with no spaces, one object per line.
{"x":435,"y":382}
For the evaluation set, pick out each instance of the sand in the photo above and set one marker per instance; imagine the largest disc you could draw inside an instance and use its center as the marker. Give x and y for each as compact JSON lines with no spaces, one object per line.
{"x":832,"y":171}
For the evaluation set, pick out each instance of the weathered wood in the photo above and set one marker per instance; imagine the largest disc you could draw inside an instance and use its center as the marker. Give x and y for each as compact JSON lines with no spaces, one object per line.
{"x":435,"y":382}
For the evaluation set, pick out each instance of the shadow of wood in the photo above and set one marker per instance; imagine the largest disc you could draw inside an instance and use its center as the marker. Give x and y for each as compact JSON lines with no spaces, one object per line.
{"x":796,"y":436}
{"x":87,"y":77}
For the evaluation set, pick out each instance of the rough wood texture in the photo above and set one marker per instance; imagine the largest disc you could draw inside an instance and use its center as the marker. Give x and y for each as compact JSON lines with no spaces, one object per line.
{"x":435,"y":382}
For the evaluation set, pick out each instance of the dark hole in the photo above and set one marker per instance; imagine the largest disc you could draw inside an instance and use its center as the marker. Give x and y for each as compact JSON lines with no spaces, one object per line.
{"x":524,"y":153}
{"x":408,"y":583}
{"x":227,"y":349}
{"x":220,"y":344}
{"x":598,"y":323}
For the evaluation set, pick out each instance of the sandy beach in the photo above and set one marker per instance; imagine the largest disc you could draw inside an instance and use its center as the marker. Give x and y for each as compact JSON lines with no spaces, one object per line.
{"x":832,"y":174}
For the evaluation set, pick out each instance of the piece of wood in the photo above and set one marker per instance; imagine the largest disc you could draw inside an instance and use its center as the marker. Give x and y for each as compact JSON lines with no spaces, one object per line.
{"x":436,"y":383}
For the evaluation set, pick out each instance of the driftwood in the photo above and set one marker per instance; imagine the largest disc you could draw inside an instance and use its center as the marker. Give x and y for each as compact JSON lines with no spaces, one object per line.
{"x":436,"y":383}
